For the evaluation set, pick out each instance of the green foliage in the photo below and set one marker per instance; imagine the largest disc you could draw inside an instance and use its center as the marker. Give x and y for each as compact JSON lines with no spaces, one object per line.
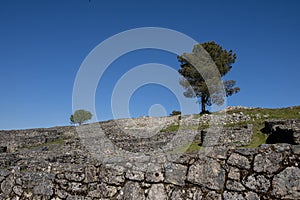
{"x":175,"y":112}
{"x":188,"y":148}
{"x":171,"y":128}
{"x":47,"y":144}
{"x":175,"y":127}
{"x":206,"y":86}
{"x":72,"y":119}
{"x":80,"y":116}
{"x":258,"y":138}
{"x":261,"y":114}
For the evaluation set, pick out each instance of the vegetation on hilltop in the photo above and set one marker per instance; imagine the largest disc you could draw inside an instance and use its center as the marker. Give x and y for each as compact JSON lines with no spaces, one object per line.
{"x":201,"y":78}
{"x":80,"y":116}
{"x":258,"y":116}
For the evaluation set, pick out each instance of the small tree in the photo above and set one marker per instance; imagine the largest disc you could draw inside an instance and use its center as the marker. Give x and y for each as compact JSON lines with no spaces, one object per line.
{"x":175,"y":112}
{"x":80,"y":116}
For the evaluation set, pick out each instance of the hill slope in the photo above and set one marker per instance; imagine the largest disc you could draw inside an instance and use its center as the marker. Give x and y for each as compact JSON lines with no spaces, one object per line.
{"x":56,"y":163}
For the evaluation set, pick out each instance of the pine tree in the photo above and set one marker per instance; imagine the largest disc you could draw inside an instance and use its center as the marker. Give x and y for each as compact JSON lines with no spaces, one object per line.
{"x":204,"y":86}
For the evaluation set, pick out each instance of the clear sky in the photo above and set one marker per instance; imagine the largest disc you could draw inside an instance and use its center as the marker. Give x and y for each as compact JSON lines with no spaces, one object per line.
{"x":43,"y":43}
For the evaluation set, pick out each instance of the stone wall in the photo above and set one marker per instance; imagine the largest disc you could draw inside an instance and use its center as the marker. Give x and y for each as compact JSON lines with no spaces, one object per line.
{"x":53,"y":164}
{"x":227,"y":136}
{"x":268,"y":172}
{"x":15,"y":139}
{"x":283,"y":131}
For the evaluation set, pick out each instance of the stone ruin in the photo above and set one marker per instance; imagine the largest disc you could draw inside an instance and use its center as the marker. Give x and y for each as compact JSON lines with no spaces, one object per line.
{"x":283,"y":131}
{"x":53,"y":164}
{"x":229,"y":136}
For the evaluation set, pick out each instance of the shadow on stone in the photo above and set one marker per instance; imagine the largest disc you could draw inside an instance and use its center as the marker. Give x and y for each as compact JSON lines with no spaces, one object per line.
{"x":281,"y":136}
{"x":3,"y":149}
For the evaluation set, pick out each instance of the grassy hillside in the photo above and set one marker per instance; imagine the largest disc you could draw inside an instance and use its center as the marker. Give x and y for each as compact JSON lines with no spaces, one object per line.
{"x":257,"y":117}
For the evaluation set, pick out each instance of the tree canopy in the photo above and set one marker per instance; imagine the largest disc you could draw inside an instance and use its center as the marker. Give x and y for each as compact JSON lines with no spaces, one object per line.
{"x":204,"y":86}
{"x":80,"y":116}
{"x":175,"y":112}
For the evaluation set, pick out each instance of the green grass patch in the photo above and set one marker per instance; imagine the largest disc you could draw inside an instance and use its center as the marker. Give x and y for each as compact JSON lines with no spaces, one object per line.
{"x":176,"y":127}
{"x":238,"y":124}
{"x":270,"y":113}
{"x":260,"y":115}
{"x":257,"y":139}
{"x":54,"y":142}
{"x":188,"y":148}
{"x":258,"y":118}
{"x":194,"y":146}
{"x":171,"y":128}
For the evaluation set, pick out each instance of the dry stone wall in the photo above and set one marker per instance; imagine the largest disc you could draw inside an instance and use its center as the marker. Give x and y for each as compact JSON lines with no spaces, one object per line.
{"x":279,"y":131}
{"x":58,"y":166}
{"x":268,"y":172}
{"x":229,"y":136}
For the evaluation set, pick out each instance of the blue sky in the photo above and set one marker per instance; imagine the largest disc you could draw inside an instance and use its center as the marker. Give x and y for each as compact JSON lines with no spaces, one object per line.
{"x":43,"y":43}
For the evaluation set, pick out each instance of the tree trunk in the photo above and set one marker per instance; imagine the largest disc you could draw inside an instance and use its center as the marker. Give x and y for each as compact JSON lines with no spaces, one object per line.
{"x":203,"y":102}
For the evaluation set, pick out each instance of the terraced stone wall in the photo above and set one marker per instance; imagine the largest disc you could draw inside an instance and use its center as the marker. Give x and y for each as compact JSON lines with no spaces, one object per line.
{"x":53,"y":164}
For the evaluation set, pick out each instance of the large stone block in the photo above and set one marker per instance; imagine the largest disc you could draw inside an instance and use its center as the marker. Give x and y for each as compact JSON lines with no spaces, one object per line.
{"x":175,"y":174}
{"x":207,"y":173}
{"x":286,"y":184}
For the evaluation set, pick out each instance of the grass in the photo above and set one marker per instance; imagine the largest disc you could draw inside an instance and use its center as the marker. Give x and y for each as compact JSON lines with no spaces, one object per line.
{"x":271,"y":113}
{"x":194,"y":146}
{"x":171,"y":128}
{"x":258,"y":117}
{"x":58,"y":141}
{"x":175,"y":127}
{"x":238,"y":124}
{"x":188,"y":148}
{"x":258,"y":138}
